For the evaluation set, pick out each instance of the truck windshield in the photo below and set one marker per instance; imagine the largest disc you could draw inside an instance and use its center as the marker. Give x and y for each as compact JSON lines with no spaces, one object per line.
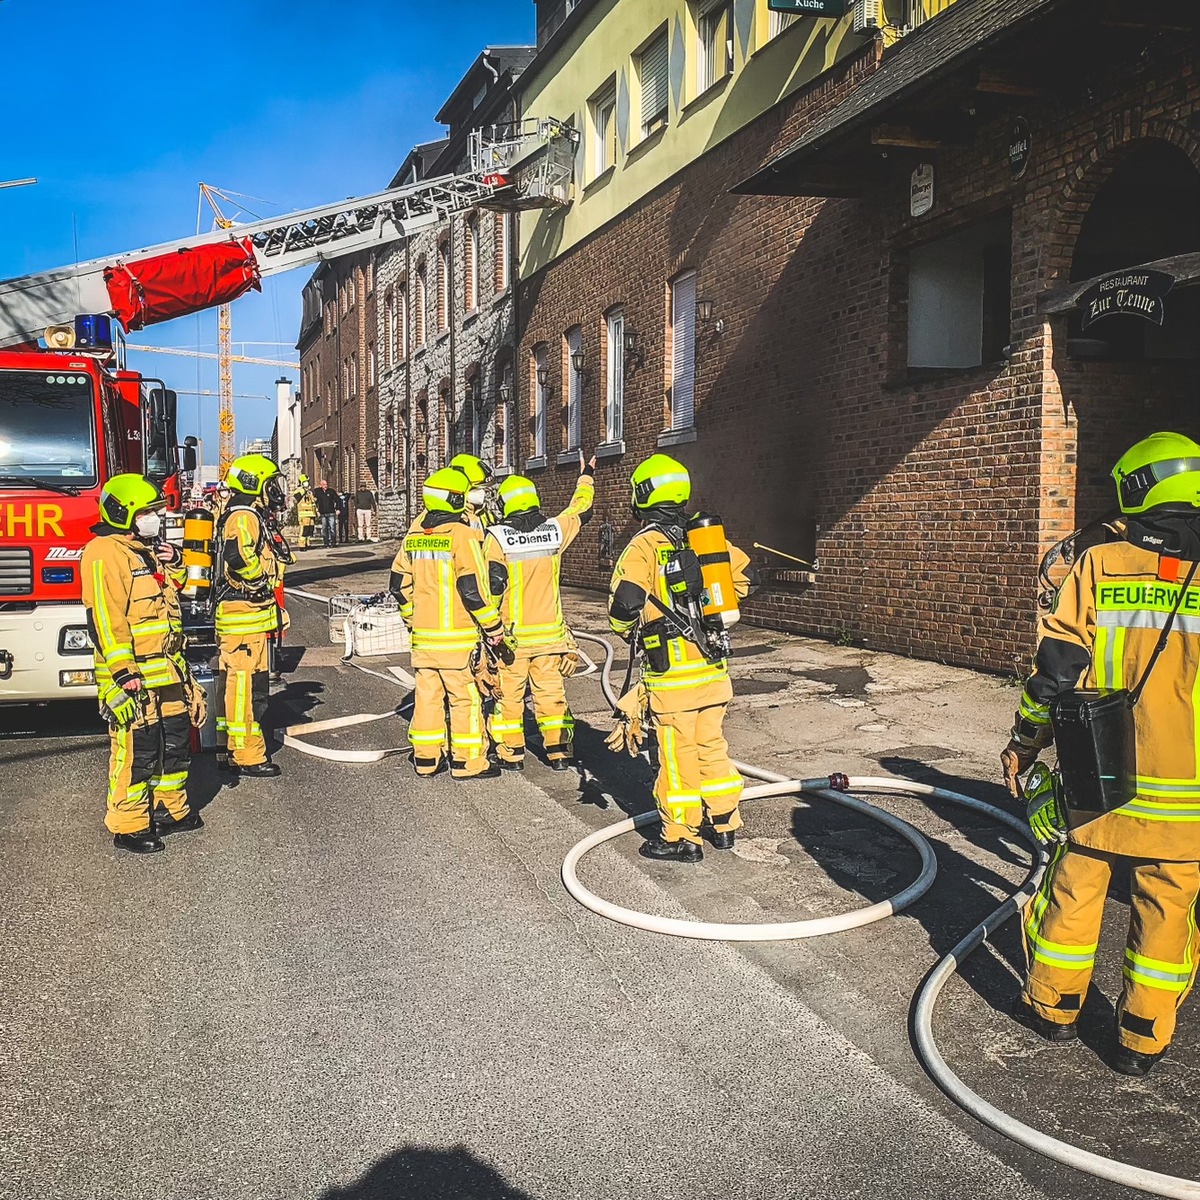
{"x":48,"y":427}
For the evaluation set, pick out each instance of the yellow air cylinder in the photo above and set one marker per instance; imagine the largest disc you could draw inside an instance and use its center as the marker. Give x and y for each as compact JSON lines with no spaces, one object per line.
{"x":198,"y":530}
{"x":706,"y":538}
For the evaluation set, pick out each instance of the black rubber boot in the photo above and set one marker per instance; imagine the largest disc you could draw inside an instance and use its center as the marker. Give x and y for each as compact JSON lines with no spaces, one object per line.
{"x":145,"y":841}
{"x":722,"y":839}
{"x":262,"y":770}
{"x":167,"y":824}
{"x":427,"y":768}
{"x":492,"y":772}
{"x":511,"y":764}
{"x":560,"y":764}
{"x":1133,"y":1062}
{"x":1050,"y":1031}
{"x":681,"y":851}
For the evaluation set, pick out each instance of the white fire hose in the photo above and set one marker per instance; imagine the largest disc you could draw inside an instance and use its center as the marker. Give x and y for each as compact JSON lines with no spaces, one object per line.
{"x":925,"y":1001}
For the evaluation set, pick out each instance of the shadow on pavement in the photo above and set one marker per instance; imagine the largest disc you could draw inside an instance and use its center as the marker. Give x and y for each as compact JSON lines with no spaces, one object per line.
{"x":428,"y":1173}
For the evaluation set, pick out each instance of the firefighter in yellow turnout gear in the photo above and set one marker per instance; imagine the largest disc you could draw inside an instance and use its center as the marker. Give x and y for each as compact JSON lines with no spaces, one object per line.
{"x":524,"y":555}
{"x":253,"y":557}
{"x":1103,"y":632}
{"x":131,"y":584}
{"x":439,"y":578}
{"x":689,"y":687}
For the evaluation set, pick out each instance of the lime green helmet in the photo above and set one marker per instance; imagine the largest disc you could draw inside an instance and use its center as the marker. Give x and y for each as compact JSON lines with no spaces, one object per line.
{"x":475,"y":469}
{"x":661,"y":479}
{"x":446,"y":491}
{"x":1161,"y":469}
{"x":250,"y":474}
{"x":518,"y":495}
{"x":124,"y":496}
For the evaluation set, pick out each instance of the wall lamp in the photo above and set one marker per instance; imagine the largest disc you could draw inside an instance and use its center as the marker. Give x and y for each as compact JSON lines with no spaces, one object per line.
{"x":578,"y":361}
{"x":632,"y":348}
{"x":505,"y":393}
{"x":543,"y":377}
{"x":704,"y":310}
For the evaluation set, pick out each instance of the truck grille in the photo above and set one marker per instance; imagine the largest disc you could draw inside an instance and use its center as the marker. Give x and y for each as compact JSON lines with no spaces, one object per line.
{"x":16,"y":572}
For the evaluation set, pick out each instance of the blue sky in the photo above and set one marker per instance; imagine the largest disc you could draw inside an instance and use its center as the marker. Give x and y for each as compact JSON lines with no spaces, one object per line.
{"x":299,"y":102}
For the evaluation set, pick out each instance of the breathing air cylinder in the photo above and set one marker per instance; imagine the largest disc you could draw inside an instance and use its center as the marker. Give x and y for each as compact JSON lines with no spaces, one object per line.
{"x":198,"y":530}
{"x":706,"y":539}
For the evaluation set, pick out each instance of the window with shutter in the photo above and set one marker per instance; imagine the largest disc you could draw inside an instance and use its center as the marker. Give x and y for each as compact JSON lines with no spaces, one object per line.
{"x":715,"y":60}
{"x":653,"y":78}
{"x":683,"y":357}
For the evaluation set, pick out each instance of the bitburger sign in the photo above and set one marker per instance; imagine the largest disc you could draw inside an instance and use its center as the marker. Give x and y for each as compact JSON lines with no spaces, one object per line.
{"x":1138,"y":292}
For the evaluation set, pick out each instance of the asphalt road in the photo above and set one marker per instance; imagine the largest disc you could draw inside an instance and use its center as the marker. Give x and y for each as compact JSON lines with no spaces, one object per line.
{"x":354,"y":985}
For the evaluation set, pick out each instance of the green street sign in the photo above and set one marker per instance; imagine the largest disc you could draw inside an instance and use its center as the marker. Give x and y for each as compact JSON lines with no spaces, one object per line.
{"x":812,"y":8}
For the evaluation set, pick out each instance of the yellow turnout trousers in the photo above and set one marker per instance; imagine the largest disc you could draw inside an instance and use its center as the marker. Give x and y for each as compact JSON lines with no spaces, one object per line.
{"x":243,"y":660}
{"x":437,"y":686}
{"x":1062,"y":929}
{"x":148,"y":762}
{"x":696,"y":777}
{"x":541,"y":675}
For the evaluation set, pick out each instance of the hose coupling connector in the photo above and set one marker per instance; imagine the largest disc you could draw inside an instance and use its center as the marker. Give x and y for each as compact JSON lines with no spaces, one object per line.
{"x":839,"y":782}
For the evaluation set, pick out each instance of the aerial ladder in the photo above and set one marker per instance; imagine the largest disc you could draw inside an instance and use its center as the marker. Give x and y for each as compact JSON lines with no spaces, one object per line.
{"x":528,"y":165}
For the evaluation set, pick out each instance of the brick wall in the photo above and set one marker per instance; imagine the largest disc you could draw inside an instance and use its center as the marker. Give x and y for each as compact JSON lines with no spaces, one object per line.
{"x":928,"y":500}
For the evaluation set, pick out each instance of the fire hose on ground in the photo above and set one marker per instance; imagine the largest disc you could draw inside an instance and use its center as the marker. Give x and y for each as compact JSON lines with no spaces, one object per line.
{"x":926,"y":999}
{"x":837,"y":790}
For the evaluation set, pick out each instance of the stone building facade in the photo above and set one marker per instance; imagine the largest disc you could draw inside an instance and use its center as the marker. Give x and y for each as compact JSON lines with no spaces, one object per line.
{"x":847,"y":318}
{"x":445,"y":321}
{"x":339,"y":411}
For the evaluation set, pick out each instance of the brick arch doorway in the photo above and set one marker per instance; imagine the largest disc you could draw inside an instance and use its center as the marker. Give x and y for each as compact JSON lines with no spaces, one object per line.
{"x":1124,"y":378}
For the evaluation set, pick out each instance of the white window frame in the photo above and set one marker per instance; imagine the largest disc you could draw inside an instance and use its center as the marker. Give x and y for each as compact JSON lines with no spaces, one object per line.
{"x":471,"y":264}
{"x":442,"y":299}
{"x":614,"y":395}
{"x":505,"y":410}
{"x":572,"y":342}
{"x":541,"y":364}
{"x":714,"y":61}
{"x":781,"y":21}
{"x":421,"y":304}
{"x":389,"y":331}
{"x":654,"y":109}
{"x":683,"y":351}
{"x":602,"y":117}
{"x":401,"y":329}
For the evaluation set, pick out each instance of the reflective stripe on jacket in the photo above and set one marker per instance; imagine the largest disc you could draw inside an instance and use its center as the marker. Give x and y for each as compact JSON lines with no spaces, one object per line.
{"x":252,"y":572}
{"x":531,"y":606}
{"x":437,"y":570}
{"x":1101,"y":633}
{"x":690,"y":681}
{"x":133,"y":613}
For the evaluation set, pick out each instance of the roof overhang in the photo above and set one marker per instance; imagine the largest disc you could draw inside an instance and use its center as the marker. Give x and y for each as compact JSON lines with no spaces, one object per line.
{"x":965,"y":66}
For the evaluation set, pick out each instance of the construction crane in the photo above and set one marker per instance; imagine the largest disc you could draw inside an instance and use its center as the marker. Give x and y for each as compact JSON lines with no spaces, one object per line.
{"x":237,"y":358}
{"x":225,"y":422}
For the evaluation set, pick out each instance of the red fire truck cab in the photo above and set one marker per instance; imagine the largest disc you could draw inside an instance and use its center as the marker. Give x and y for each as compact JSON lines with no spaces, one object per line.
{"x":69,"y":421}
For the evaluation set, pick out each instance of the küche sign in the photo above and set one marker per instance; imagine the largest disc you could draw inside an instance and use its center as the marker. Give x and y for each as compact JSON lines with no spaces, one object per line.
{"x":812,"y":8}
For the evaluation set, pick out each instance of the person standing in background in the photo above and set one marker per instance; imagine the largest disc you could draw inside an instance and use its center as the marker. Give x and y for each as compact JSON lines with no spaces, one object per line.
{"x":364,"y":506}
{"x":327,"y":506}
{"x":343,"y":516}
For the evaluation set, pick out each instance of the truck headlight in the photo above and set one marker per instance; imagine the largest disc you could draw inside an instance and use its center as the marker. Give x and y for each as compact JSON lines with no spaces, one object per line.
{"x":74,"y":639}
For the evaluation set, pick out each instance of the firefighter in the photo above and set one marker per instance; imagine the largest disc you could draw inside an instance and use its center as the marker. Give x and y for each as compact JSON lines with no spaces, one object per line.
{"x":131,"y":581}
{"x":687,"y":683}
{"x":524,"y":553}
{"x":1102,"y":633}
{"x":439,"y":578}
{"x":253,"y":557}
{"x":479,"y":498}
{"x":306,"y":513}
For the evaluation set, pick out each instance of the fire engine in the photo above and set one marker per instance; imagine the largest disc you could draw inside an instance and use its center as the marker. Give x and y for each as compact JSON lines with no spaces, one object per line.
{"x":72,"y":416}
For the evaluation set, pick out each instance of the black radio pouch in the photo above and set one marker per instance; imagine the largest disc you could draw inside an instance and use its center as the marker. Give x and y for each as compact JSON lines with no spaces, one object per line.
{"x":654,"y":637}
{"x":1096,"y":739}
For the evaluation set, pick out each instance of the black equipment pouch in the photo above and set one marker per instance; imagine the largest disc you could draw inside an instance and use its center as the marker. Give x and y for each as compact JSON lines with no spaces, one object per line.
{"x":1096,"y":738}
{"x":1097,"y":748}
{"x":654,"y":637}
